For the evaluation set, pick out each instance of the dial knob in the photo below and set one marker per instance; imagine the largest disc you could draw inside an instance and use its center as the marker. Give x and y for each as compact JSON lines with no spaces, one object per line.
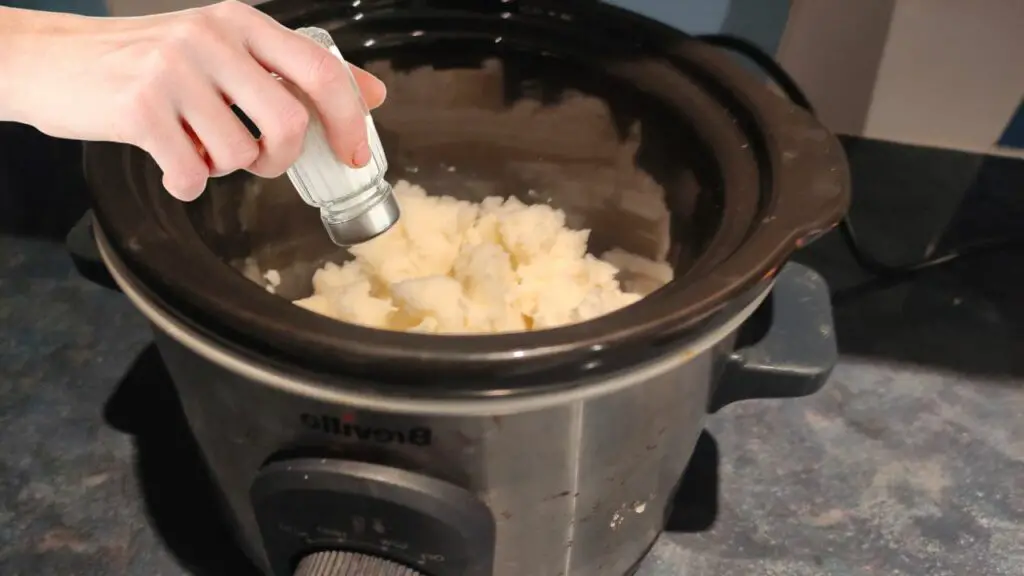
{"x":304,"y":505}
{"x":350,"y":564}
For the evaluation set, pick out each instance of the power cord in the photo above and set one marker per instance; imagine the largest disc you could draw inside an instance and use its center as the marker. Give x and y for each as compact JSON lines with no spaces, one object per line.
{"x":864,"y":258}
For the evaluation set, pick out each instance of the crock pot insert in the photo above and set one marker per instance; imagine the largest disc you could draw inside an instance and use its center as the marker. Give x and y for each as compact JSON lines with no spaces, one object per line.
{"x":658,"y":144}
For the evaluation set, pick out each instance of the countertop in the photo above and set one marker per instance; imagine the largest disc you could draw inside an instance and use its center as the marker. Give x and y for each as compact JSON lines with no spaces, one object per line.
{"x":910,"y":460}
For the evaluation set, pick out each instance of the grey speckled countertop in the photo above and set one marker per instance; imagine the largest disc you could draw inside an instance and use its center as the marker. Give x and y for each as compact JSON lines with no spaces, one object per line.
{"x":889,"y":470}
{"x":909,"y":462}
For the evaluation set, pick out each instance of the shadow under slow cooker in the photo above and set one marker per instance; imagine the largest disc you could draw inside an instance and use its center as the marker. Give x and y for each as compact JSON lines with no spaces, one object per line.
{"x":180,"y":498}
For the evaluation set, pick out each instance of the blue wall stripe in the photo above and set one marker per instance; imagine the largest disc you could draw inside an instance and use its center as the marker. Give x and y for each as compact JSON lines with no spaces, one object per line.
{"x":83,"y":7}
{"x":1014,"y":134}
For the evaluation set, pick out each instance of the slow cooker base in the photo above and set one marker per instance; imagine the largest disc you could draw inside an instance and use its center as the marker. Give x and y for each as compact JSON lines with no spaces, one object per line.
{"x":636,"y":566}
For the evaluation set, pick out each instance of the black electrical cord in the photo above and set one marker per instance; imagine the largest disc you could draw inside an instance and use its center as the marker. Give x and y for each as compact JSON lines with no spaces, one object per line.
{"x":864,"y":259}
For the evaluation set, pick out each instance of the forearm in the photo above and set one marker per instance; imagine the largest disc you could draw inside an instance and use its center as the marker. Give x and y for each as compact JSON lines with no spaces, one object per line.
{"x":163,"y":82}
{"x":22,"y":35}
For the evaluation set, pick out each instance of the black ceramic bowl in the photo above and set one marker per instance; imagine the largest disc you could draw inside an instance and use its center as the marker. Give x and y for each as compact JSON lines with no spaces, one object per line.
{"x":661,"y":145}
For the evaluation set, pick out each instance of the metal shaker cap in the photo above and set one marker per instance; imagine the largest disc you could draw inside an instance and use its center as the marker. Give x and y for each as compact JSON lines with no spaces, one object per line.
{"x":369,"y":224}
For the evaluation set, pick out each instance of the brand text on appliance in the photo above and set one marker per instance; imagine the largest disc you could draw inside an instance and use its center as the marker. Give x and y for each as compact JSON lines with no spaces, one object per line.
{"x":346,"y":427}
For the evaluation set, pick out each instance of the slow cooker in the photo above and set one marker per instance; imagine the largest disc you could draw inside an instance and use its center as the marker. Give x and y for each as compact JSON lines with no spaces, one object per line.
{"x":340,"y":449}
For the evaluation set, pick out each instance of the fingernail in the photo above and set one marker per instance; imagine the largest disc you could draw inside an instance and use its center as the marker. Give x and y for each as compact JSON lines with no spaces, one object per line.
{"x":361,"y":155}
{"x":186,"y":193}
{"x":381,"y":86}
{"x":379,"y":94}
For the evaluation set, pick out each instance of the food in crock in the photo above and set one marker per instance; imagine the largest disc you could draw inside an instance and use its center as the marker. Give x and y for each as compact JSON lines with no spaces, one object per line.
{"x":451,"y":266}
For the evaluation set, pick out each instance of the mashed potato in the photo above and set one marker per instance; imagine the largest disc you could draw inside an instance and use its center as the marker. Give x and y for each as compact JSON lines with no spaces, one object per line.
{"x":450,"y":266}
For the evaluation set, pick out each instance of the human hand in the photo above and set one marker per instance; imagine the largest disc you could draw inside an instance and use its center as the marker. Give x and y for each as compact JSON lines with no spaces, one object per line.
{"x":164,"y":83}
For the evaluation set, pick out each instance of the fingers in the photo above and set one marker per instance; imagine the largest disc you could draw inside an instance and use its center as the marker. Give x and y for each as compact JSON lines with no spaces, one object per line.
{"x":280,"y":114}
{"x":281,"y":118}
{"x":223,"y":138}
{"x":225,"y":53}
{"x":324,"y":79}
{"x":374,"y":91}
{"x":185,"y":171}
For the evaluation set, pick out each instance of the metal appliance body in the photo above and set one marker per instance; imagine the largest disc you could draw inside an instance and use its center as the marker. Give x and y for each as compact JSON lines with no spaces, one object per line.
{"x":576,"y":483}
{"x":337,"y":447}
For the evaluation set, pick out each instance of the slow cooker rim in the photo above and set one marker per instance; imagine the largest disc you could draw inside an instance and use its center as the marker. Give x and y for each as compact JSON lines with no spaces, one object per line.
{"x":572,"y":348}
{"x":409,"y":399}
{"x":566,"y":342}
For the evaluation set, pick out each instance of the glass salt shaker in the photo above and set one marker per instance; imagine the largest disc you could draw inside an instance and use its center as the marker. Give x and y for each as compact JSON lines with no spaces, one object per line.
{"x":356,"y":204}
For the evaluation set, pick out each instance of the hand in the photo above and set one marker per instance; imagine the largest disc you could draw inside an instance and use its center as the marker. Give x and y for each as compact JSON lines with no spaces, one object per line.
{"x":164,"y":84}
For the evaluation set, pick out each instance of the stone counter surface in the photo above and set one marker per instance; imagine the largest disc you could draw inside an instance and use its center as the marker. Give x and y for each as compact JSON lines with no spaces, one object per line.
{"x":909,"y":462}
{"x":889,"y":470}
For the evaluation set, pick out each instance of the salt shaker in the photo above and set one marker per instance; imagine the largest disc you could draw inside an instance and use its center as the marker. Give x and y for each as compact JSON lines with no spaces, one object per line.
{"x":356,"y":204}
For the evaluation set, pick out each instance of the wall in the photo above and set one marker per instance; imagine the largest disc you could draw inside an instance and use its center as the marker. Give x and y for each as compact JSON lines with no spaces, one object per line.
{"x":143,"y":7}
{"x":84,"y":7}
{"x":759,"y":20}
{"x":944,"y":73}
{"x":833,"y":49}
{"x":952,"y":73}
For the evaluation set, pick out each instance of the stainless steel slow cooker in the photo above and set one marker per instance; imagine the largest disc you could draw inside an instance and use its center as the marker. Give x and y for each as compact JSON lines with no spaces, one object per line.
{"x":340,"y":449}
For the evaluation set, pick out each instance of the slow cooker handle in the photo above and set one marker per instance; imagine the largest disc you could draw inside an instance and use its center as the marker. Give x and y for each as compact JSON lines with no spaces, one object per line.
{"x":795,"y":348}
{"x":81,"y":245}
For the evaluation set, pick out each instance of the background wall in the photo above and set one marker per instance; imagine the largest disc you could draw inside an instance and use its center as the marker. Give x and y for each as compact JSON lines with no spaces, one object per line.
{"x":759,"y":20}
{"x":86,"y":7}
{"x":833,"y":49}
{"x":143,"y":7}
{"x":944,"y":73}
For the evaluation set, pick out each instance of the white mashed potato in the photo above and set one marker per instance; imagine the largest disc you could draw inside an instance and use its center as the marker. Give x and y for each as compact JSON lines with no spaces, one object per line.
{"x":450,"y":266}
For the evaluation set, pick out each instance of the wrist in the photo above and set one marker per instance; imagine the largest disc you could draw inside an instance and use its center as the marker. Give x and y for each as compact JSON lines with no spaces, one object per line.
{"x":23,"y":34}
{"x":15,"y":25}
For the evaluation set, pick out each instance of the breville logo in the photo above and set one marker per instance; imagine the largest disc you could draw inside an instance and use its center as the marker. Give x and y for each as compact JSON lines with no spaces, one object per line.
{"x":347,"y":427}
